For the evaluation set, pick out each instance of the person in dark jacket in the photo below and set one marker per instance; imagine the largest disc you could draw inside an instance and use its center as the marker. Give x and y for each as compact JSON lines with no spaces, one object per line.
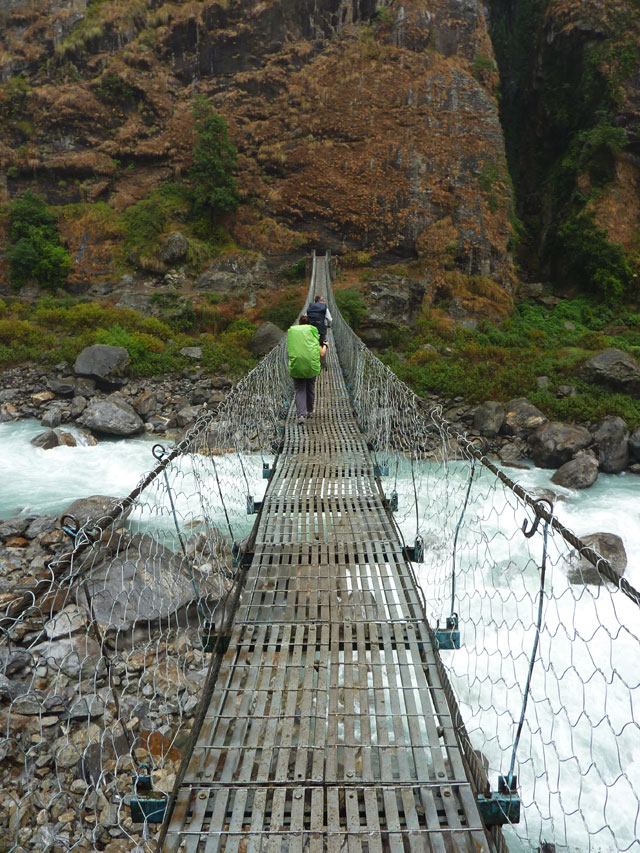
{"x":320,"y":317}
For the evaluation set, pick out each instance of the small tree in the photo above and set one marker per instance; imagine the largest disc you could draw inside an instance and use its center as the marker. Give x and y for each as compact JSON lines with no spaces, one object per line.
{"x":214,"y":187}
{"x":36,"y":252}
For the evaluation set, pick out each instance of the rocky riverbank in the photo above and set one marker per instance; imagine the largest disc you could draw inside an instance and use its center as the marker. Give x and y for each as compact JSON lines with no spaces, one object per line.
{"x":104,"y":405}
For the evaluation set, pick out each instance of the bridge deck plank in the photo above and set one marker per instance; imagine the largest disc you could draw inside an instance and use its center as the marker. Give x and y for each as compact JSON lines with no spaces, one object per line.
{"x":329,"y":728}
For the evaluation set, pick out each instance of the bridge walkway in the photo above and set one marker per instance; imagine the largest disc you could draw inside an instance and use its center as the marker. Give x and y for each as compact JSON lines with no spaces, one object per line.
{"x":329,"y":728}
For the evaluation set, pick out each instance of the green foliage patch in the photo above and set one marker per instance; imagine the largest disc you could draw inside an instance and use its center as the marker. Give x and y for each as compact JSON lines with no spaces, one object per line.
{"x":57,"y":330}
{"x":501,"y":362}
{"x":352,"y":306}
{"x":35,"y":253}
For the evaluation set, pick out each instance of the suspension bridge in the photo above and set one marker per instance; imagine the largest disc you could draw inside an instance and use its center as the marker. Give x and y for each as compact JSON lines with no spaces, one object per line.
{"x":381,"y":653}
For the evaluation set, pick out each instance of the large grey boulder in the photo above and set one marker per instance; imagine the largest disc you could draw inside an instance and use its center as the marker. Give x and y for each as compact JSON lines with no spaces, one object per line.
{"x":634,"y":444}
{"x":488,"y":418}
{"x":578,"y":473}
{"x":393,"y":302}
{"x":609,"y":546}
{"x":92,"y":509}
{"x":612,"y":439}
{"x":46,"y":440}
{"x":615,"y":370}
{"x":102,"y":362}
{"x":266,"y":337}
{"x":553,"y":444}
{"x":75,"y":656}
{"x":146,"y":582}
{"x":63,"y":386}
{"x":112,"y":416}
{"x":174,"y":248}
{"x":522,"y":418}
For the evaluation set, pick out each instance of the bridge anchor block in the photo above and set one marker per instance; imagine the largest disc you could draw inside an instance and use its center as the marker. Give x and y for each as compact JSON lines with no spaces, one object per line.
{"x":500,"y":807}
{"x":144,"y":803}
{"x":449,"y":638}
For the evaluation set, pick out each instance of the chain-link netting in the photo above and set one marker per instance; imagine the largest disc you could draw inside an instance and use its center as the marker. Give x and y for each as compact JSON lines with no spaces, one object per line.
{"x":108,"y":628}
{"x":547,"y":675}
{"x":106,"y":625}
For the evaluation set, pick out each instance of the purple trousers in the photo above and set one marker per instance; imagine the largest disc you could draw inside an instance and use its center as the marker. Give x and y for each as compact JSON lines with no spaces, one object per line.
{"x":305,"y":395}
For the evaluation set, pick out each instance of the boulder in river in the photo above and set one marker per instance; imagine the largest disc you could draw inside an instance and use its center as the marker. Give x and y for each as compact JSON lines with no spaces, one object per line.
{"x":112,"y":416}
{"x":612,"y":438}
{"x":634,"y":444}
{"x":609,"y":546}
{"x":578,"y":473}
{"x":553,"y":444}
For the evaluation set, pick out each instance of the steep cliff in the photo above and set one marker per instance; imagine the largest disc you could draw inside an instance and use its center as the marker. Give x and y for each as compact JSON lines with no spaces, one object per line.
{"x":360,"y":125}
{"x":570,"y":76}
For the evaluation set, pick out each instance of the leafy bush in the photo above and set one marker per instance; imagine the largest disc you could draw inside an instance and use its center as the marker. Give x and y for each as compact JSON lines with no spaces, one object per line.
{"x":587,"y":258}
{"x":36,"y":253}
{"x":284,"y":313}
{"x":213,"y":185}
{"x":352,"y":307}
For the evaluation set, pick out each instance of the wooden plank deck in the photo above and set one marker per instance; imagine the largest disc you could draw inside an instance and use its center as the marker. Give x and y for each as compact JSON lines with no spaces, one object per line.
{"x":329,"y":729}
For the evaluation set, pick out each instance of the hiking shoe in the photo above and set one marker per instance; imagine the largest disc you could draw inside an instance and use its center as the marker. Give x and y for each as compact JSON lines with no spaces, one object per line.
{"x":300,"y":420}
{"x":309,"y":414}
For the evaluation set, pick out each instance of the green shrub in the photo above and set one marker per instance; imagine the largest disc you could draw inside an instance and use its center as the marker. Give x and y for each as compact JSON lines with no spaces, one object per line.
{"x":213,"y":184}
{"x":296,"y":272}
{"x":351,"y":305}
{"x":36,"y":253}
{"x":588,"y":259}
{"x":284,"y":314}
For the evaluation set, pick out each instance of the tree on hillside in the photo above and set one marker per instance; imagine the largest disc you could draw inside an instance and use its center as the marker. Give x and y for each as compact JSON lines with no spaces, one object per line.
{"x":214,"y":186}
{"x":36,"y":253}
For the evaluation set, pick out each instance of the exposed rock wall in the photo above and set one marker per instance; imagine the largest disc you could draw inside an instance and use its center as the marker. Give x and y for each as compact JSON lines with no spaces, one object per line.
{"x":359,"y":124}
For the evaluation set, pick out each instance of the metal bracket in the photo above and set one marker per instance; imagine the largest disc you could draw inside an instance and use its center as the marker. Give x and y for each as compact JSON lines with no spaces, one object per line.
{"x":449,"y":638}
{"x":149,"y":809}
{"x":240,"y":559}
{"x":146,"y":805}
{"x":415,"y":552}
{"x":266,"y":471}
{"x":211,"y":641}
{"x":381,"y":470}
{"x":252,"y":506}
{"x":502,"y":806}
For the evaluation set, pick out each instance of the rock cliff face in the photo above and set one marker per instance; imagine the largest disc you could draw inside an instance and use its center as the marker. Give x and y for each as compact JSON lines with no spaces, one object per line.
{"x":570,"y":77}
{"x":360,"y":125}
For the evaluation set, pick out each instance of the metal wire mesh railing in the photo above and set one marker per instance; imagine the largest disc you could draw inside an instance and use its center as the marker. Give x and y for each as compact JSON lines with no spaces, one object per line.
{"x":105,"y":628}
{"x":546,"y":674}
{"x":105,"y":623}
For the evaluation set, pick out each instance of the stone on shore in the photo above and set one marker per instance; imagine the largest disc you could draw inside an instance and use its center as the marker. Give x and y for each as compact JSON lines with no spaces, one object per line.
{"x":612,"y":439}
{"x":102,"y":362}
{"x":266,"y":337}
{"x":614,"y":370}
{"x":112,"y":416}
{"x":488,"y":418}
{"x":522,"y":418}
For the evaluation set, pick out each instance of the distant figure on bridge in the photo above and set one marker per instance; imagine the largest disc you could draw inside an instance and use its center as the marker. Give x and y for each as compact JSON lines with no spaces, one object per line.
{"x":305,"y":351}
{"x":320,"y":317}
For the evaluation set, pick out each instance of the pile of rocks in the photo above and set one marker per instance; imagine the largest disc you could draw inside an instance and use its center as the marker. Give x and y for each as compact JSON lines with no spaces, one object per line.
{"x":98,"y":397}
{"x":82,"y":709}
{"x":518,"y":430}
